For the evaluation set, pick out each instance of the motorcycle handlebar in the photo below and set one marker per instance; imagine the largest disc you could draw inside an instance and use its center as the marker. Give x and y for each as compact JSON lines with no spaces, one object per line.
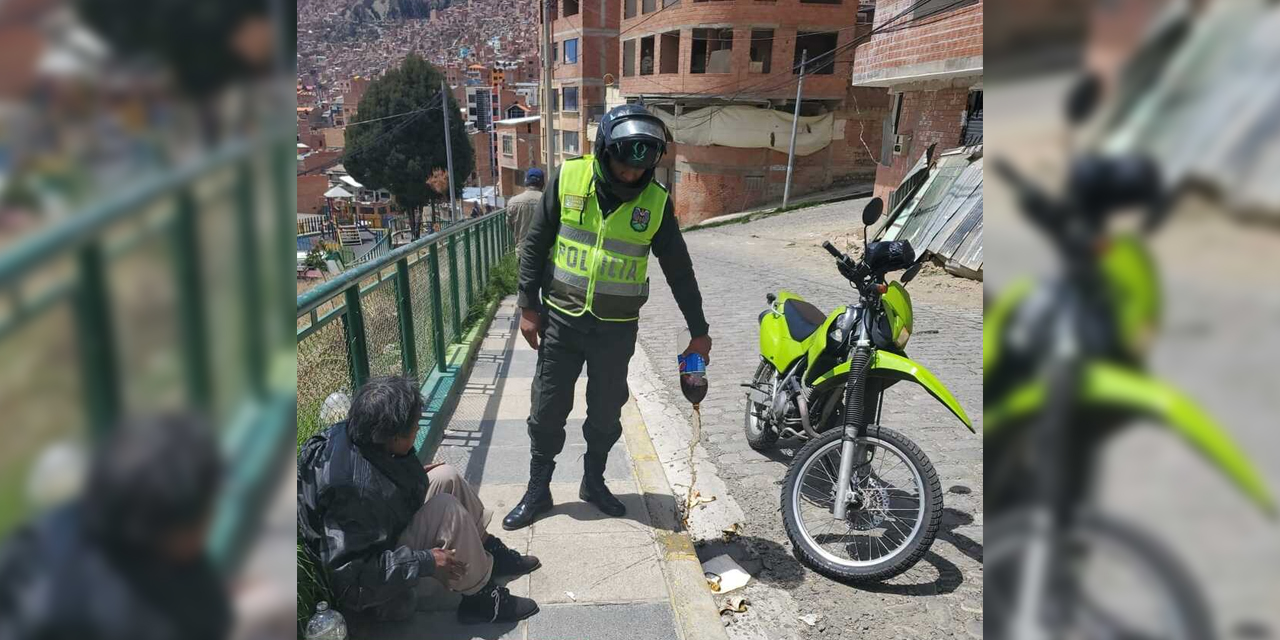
{"x":832,"y":250}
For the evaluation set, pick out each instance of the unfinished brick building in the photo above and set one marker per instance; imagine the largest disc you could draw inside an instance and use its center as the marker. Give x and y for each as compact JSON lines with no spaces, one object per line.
{"x":929,"y":62}
{"x":724,"y":73}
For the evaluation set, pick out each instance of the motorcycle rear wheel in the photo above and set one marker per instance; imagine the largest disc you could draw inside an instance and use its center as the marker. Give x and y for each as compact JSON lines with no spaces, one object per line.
{"x":917,"y":507}
{"x":760,"y":434}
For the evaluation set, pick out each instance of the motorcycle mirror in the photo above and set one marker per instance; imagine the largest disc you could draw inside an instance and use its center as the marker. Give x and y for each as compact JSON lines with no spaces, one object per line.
{"x":872,"y":211}
{"x":1083,"y":98}
{"x":910,"y":273}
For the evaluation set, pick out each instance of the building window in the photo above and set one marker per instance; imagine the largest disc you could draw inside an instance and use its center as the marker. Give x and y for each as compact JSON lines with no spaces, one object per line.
{"x":761,"y":50}
{"x":570,"y":145}
{"x":571,"y":51}
{"x":471,"y":97}
{"x":508,"y":146}
{"x":866,"y":15}
{"x":669,"y":3}
{"x":570,"y":8}
{"x":648,"y":6}
{"x":628,"y":58}
{"x":712,"y":49}
{"x":669,"y":60}
{"x":646,"y":56}
{"x":971,"y":130}
{"x":628,"y":8}
{"x":820,"y":46}
{"x":569,"y":100}
{"x":930,"y":8}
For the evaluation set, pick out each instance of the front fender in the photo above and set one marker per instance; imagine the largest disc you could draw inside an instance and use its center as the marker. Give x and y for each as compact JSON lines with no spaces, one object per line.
{"x":1111,"y":385}
{"x":890,"y":365}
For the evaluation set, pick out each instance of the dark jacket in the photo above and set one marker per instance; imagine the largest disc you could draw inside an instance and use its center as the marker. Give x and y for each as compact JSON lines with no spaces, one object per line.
{"x":668,"y":246}
{"x":353,"y":504}
{"x":58,"y":581}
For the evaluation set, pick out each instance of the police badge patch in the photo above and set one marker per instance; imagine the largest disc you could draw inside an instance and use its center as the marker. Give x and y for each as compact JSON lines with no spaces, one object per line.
{"x":639,"y":219}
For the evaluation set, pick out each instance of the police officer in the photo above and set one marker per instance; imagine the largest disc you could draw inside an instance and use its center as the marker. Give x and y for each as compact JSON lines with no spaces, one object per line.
{"x":583,"y":278}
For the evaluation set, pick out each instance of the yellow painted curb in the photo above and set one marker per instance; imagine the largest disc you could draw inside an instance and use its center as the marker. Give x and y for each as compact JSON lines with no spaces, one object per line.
{"x":697,"y":617}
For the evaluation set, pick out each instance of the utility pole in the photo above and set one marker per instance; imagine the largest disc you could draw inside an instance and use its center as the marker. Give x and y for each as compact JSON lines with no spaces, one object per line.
{"x":548,"y":133}
{"x":795,"y":121}
{"x":448,"y":148}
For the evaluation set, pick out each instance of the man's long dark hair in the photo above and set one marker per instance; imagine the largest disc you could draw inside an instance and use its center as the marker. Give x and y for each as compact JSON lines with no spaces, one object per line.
{"x":383,"y":409}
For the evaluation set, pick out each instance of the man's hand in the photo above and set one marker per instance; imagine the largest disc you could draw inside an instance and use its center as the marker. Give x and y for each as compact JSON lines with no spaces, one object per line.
{"x":530,"y":324}
{"x":447,"y":565}
{"x":700,"y":345}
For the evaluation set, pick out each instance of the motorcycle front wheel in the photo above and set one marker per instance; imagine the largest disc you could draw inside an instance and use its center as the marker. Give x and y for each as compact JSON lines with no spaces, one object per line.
{"x":1123,"y":583}
{"x":892,"y":521}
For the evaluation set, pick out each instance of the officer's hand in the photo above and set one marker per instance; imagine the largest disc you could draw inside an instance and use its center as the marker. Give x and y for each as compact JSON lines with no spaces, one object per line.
{"x":447,"y":565}
{"x":700,"y":345}
{"x":530,"y":324}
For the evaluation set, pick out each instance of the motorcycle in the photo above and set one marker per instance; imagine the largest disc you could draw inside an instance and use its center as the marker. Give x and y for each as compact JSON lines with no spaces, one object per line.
{"x":861,"y":502}
{"x":1063,"y":373}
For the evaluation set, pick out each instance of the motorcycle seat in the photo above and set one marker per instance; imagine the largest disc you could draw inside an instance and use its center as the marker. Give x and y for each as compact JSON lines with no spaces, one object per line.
{"x":802,"y":319}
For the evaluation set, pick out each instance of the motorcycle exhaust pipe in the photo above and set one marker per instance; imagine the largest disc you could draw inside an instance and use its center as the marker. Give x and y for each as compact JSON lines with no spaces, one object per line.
{"x":803,"y":404}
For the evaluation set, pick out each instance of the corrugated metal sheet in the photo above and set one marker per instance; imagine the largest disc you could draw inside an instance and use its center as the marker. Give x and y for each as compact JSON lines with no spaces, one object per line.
{"x":1213,"y":114}
{"x":945,"y":215}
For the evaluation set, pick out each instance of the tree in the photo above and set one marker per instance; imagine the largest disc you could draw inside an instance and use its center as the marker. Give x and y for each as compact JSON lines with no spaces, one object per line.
{"x":439,"y":183}
{"x":401,"y":141}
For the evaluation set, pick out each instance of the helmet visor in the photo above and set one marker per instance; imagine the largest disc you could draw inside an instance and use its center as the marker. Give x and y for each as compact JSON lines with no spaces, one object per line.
{"x":638,"y":142}
{"x":638,"y":153}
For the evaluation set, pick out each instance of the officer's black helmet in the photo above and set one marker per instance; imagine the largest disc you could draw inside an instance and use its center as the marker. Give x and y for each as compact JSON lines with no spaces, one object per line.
{"x":631,"y":135}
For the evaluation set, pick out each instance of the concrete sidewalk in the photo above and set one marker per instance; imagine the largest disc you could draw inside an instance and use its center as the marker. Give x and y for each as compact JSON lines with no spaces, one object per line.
{"x":629,"y":578}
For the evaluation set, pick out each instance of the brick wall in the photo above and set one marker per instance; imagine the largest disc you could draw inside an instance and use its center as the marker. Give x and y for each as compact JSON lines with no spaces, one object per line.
{"x":311,"y":190}
{"x":785,"y":17}
{"x":481,"y":149}
{"x":319,"y":161}
{"x":930,"y":116}
{"x":955,"y":34}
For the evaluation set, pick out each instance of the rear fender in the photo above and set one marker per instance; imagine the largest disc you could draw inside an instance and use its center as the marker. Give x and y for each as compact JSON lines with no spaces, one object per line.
{"x":895,"y":367}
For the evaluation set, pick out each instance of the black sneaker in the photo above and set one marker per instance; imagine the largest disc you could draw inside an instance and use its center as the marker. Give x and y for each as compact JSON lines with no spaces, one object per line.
{"x":508,"y":561}
{"x":494,"y":604}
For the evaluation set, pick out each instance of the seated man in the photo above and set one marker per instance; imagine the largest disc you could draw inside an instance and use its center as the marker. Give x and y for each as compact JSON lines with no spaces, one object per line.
{"x":379,"y":521}
{"x":126,"y":560}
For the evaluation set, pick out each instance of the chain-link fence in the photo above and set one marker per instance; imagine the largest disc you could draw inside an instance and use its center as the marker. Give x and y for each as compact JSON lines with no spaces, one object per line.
{"x":346,"y":337}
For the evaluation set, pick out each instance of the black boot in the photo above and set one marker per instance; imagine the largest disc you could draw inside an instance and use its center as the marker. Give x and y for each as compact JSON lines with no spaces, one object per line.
{"x":537,"y":498}
{"x":508,"y":561}
{"x":594,"y":490}
{"x":494,"y":604}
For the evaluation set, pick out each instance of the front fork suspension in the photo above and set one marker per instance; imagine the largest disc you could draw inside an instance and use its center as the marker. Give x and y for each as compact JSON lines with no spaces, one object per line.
{"x":855,"y":425}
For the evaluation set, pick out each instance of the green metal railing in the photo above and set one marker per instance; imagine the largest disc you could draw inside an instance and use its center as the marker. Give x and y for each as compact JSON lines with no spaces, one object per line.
{"x":169,"y":294}
{"x":394,"y":314}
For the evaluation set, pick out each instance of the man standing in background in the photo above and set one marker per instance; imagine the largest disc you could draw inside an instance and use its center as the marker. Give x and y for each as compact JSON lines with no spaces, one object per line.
{"x":520,"y":209}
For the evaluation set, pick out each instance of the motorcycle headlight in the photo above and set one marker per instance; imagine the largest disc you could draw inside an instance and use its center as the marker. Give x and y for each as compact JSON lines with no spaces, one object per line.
{"x":836,"y":335}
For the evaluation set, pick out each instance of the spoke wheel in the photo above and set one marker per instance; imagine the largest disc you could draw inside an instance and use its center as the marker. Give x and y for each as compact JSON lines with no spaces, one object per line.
{"x":892,"y":518}
{"x":760,"y":434}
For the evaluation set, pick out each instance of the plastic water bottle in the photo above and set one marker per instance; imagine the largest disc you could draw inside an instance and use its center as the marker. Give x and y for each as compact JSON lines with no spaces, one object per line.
{"x":693,"y":374}
{"x":326,"y":624}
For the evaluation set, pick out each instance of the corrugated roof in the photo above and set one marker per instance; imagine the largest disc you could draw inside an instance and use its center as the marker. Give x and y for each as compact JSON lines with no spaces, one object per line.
{"x":944,"y":216}
{"x":1210,"y":116}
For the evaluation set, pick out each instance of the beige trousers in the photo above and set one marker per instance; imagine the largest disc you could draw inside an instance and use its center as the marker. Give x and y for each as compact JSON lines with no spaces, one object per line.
{"x":453,"y":518}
